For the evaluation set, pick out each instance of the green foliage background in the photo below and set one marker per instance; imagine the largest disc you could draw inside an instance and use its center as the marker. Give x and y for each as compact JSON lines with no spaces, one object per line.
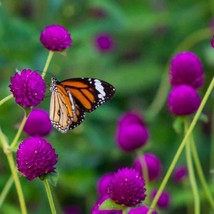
{"x":147,"y":34}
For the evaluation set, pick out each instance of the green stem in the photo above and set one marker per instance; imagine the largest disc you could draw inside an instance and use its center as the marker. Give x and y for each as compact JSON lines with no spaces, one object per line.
{"x":182,"y":145}
{"x":50,"y":55}
{"x":17,"y":182}
{"x":212,"y":140}
{"x":50,"y":198}
{"x":15,"y":140}
{"x":8,"y":152}
{"x":200,"y":172}
{"x":6,"y":99}
{"x":6,"y":190}
{"x":191,"y":172}
{"x":161,"y":95}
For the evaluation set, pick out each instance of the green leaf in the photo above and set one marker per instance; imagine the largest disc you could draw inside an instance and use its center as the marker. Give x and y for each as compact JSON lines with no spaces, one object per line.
{"x":52,"y":178}
{"x":178,"y":124}
{"x":109,"y":204}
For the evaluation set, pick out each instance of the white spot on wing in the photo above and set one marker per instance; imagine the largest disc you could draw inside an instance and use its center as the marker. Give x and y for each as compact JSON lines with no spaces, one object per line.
{"x":100,"y":89}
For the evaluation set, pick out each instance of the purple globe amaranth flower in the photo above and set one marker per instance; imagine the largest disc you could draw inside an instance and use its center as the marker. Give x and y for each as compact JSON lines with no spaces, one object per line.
{"x":96,"y":210}
{"x":183,"y":100}
{"x":140,"y":210}
{"x":153,"y":166}
{"x":104,"y":42}
{"x":102,"y":185}
{"x":186,"y":68}
{"x":164,"y":199}
{"x":127,"y":187}
{"x":55,"y":38}
{"x":35,"y":157}
{"x":28,"y":88}
{"x":131,"y":132}
{"x":38,"y":123}
{"x":179,"y":174}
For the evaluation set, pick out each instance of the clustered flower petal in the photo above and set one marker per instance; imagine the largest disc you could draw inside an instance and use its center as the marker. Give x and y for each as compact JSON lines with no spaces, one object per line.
{"x":104,"y":42}
{"x":127,"y":187}
{"x":131,"y":132}
{"x":186,"y":68}
{"x":55,"y":38}
{"x":102,"y":185}
{"x":179,"y":174}
{"x":28,"y":88}
{"x":38,"y":123}
{"x":164,"y":199}
{"x":153,"y":166}
{"x":183,"y":100}
{"x":35,"y":157}
{"x":140,"y":210}
{"x":96,"y":210}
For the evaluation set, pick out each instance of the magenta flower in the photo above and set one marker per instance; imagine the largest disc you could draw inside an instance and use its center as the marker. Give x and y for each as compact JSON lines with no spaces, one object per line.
{"x":38,"y":123}
{"x":164,"y":199}
{"x":186,"y":68}
{"x":71,"y":209}
{"x":35,"y":157}
{"x":127,"y":187}
{"x":55,"y":38}
{"x":102,"y":185}
{"x":28,"y":88}
{"x":183,"y":100}
{"x":131,"y":132}
{"x":153,"y":165}
{"x":180,"y":174}
{"x":96,"y":210}
{"x":140,"y":210}
{"x":104,"y":42}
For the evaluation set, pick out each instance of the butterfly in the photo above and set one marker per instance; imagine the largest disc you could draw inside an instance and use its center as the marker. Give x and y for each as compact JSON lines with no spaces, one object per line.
{"x":71,"y":98}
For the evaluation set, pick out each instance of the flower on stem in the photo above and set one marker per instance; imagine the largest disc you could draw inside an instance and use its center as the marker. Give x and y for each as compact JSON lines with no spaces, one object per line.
{"x":183,"y":100}
{"x":35,"y":157}
{"x":164,"y":199}
{"x":140,"y":210}
{"x":38,"y":123}
{"x":180,"y":174}
{"x":186,"y":68}
{"x":28,"y":88}
{"x":153,"y":165}
{"x":104,"y":42}
{"x":127,"y":187}
{"x":131,"y":132}
{"x":55,"y":38}
{"x":103,"y":182}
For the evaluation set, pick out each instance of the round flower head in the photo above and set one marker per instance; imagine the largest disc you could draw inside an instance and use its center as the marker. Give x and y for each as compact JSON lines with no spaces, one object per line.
{"x":104,"y":42}
{"x":55,"y":38}
{"x":102,"y":185}
{"x":131,"y":132}
{"x":153,"y":165}
{"x":164,"y":199}
{"x":35,"y":157}
{"x":179,"y":174}
{"x":186,"y":68}
{"x":96,"y":207}
{"x":140,"y":210}
{"x":38,"y":123}
{"x":28,"y":88}
{"x":183,"y":100}
{"x":127,"y":187}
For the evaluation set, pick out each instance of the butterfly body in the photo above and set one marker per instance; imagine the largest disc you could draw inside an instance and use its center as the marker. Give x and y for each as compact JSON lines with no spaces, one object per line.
{"x":71,"y":98}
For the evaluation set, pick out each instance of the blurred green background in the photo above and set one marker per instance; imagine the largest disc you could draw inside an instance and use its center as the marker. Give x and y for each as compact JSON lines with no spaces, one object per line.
{"x":146,"y":34}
